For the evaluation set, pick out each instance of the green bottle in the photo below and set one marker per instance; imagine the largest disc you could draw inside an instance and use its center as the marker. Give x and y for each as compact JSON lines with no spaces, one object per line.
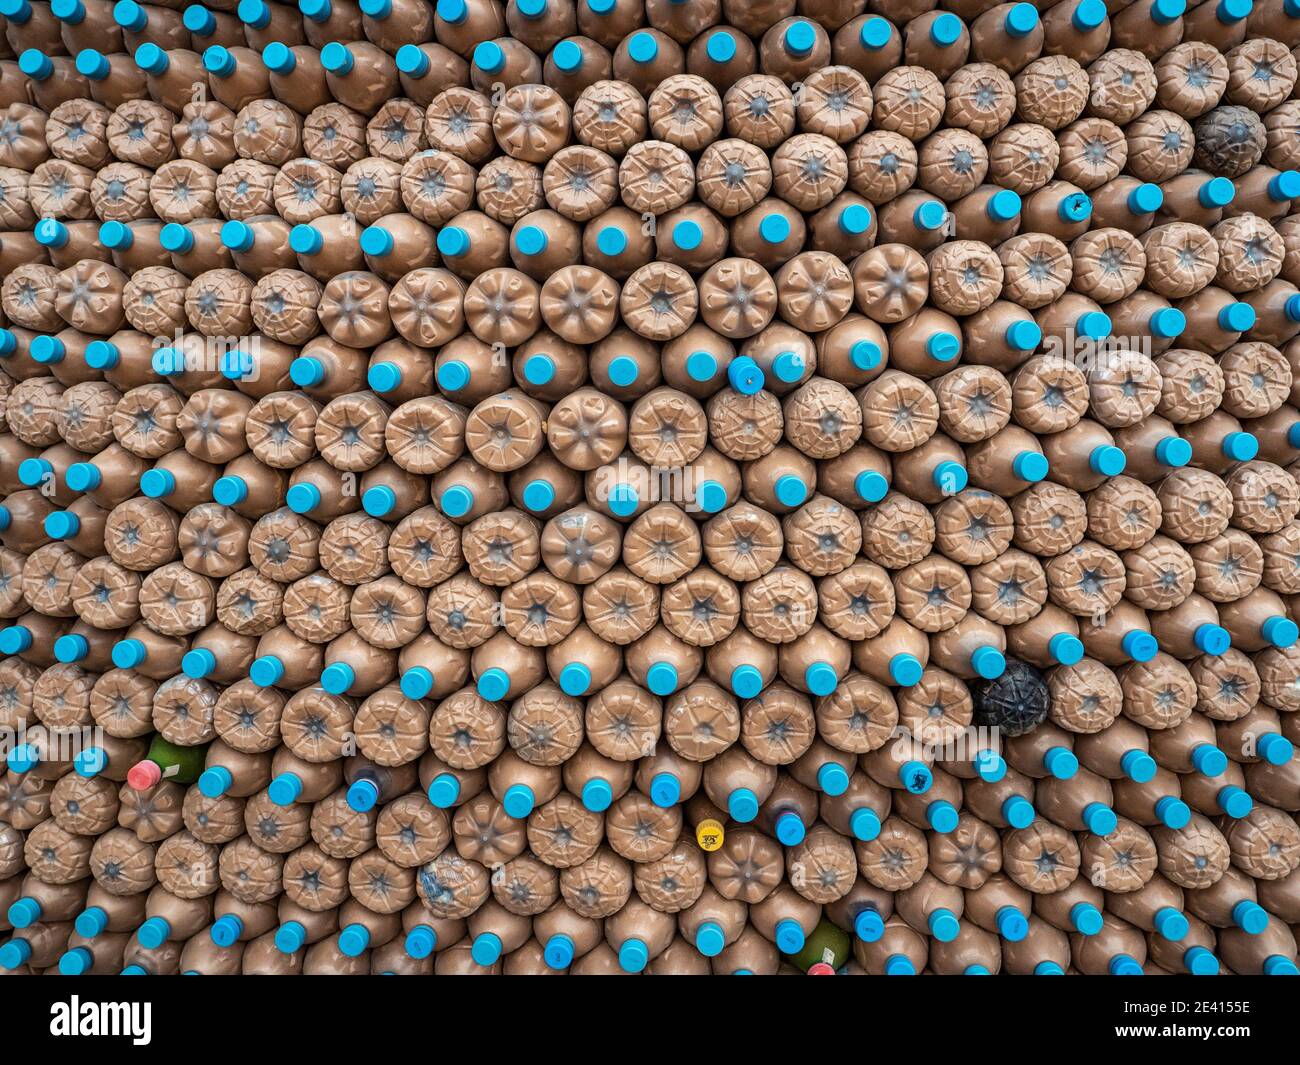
{"x":167,"y":761}
{"x":826,"y":943}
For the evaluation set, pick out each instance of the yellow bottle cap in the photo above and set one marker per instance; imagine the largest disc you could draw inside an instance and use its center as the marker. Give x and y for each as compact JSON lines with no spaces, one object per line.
{"x":709,"y":835}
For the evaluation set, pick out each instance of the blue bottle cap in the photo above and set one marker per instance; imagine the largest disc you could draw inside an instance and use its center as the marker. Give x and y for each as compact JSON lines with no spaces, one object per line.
{"x":8,"y":343}
{"x":235,"y":235}
{"x":1146,"y":199}
{"x":597,"y":795}
{"x":988,"y":662}
{"x":226,"y":930}
{"x":1250,"y":917}
{"x":47,"y":349}
{"x":865,"y":355}
{"x":336,"y":58}
{"x":1021,"y":20}
{"x":149,"y":58}
{"x":453,"y":376}
{"x":915,"y":777}
{"x":456,"y":501}
{"x":1230,"y":11}
{"x":821,"y":679}
{"x":362,"y":795}
{"x":558,"y":952}
{"x":518,"y":801}
{"x":1124,"y":965}
{"x":1279,"y":631}
{"x":1208,"y":760}
{"x":452,"y":241}
{"x":832,"y":779}
{"x":1173,"y":813}
{"x":218,"y":62}
{"x":1164,"y":12}
{"x":774,"y":228}
{"x":167,"y":362}
{"x":864,"y":823}
{"x":1095,"y":325}
{"x":378,"y":501}
{"x":1086,"y":918}
{"x":871,"y":486}
{"x":1211,"y":639}
{"x":1274,"y":748}
{"x":229,"y":491}
{"x":1217,"y":192}
{"x":943,"y":925}
{"x":941,"y":816}
{"x":687,"y":235}
{"x":746,"y":681}
{"x":71,"y":648}
{"x":710,"y":496}
{"x":444,"y":790}
{"x":665,"y":790}
{"x":790,"y":937}
{"x":493,"y":684}
{"x":855,"y":219}
{"x":905,"y":670}
{"x":384,"y":377}
{"x":530,"y":240}
{"x":1004,"y":204}
{"x":1280,"y":965}
{"x":929,"y":215}
{"x":199,"y":21}
{"x":1013,"y":926}
{"x":799,"y":38}
{"x":256,"y":13}
{"x":83,"y":477}
{"x":284,"y":789}
{"x":1061,"y":763}
{"x":789,"y":366}
{"x":6,"y":518}
{"x":567,"y":56}
{"x":15,"y":953}
{"x":575,"y":679}
{"x":875,"y":33}
{"x":61,"y":524}
{"x":976,"y":970}
{"x":945,"y":30}
{"x":75,"y":962}
{"x":742,"y":805}
{"x":790,"y":490}
{"x":337,"y":677}
{"x":950,"y":477}
{"x":416,"y":682}
{"x":1100,"y":819}
{"x":302,"y":498}
{"x":709,"y":939}
{"x":157,"y":483}
{"x":420,"y":941}
{"x":661,"y":678}
{"x":266,"y":671}
{"x":354,"y":939}
{"x":1240,"y":447}
{"x":15,"y":639}
{"x":198,"y":663}
{"x":1107,"y":460}
{"x":90,"y":922}
{"x":70,"y":11}
{"x":989,"y":765}
{"x":1234,"y":801}
{"x":1088,"y":15}
{"x":720,"y":47}
{"x":1032,"y":466}
{"x":1284,"y":186}
{"x":790,"y":829}
{"x":1075,"y":207}
{"x":538,"y":495}
{"x":610,"y":241}
{"x":290,"y":937}
{"x":899,"y":965}
{"x":943,"y":346}
{"x":305,"y":240}
{"x":176,"y":238}
{"x":1173,"y":451}
{"x":19,"y":12}
{"x":130,"y":15}
{"x":32,"y":472}
{"x":90,"y":762}
{"x":452,"y":11}
{"x":642,"y":47}
{"x":50,"y":233}
{"x":1167,"y":322}
{"x":127,"y":654}
{"x":623,"y":371}
{"x":25,"y":912}
{"x":410,"y":60}
{"x":633,"y":956}
{"x":22,"y":758}
{"x":1138,"y":766}
{"x":1237,"y":317}
{"x":1066,"y":648}
{"x":1140,"y":646}
{"x":215,"y":781}
{"x":1200,"y":962}
{"x":745,"y":375}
